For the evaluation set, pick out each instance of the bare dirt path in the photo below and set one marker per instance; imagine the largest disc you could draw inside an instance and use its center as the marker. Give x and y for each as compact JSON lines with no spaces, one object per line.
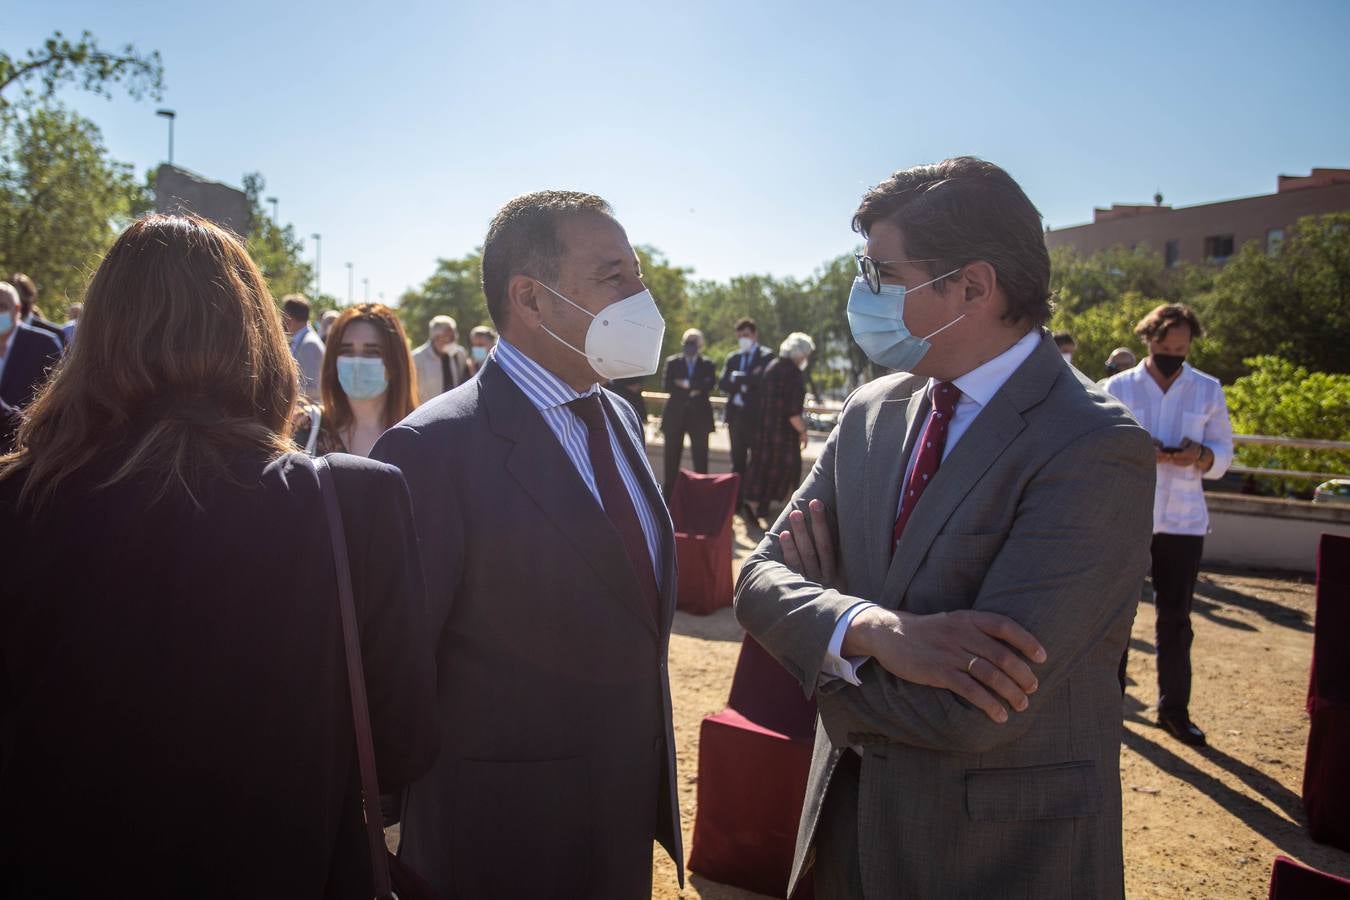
{"x":1198,"y":823}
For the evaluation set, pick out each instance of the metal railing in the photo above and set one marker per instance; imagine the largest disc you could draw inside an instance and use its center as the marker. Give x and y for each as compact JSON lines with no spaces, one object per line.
{"x":659,"y":398}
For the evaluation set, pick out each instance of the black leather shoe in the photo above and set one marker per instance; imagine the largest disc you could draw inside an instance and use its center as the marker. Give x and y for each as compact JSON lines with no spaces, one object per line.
{"x":1183,"y":729}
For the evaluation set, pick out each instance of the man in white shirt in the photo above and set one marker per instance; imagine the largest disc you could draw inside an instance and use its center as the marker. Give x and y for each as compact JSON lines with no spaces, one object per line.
{"x":984,"y":494}
{"x":1184,"y":411}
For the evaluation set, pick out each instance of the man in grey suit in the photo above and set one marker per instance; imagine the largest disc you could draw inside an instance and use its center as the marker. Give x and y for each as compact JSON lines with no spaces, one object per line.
{"x":550,"y":572}
{"x":984,"y":494}
{"x":306,"y":346}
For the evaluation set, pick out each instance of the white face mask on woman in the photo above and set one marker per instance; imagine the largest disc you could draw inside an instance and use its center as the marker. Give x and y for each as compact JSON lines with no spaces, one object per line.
{"x":624,"y":340}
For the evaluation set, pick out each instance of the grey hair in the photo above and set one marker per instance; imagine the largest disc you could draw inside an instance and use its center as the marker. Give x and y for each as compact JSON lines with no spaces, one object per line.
{"x":797,"y":344}
{"x":439,"y":324}
{"x":693,"y":333}
{"x":7,"y":288}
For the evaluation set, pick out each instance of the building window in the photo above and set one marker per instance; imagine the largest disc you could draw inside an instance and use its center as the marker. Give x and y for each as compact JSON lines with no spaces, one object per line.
{"x":1172,"y":253}
{"x":1274,"y":240}
{"x":1218,"y":247}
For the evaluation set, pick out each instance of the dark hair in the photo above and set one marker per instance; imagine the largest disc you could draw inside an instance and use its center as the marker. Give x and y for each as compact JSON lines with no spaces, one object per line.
{"x":180,"y":362}
{"x":962,"y":210}
{"x":296,"y":306}
{"x":1163,"y":319}
{"x":746,"y":322}
{"x":27,"y":290}
{"x":1062,"y":338}
{"x":523,"y":240}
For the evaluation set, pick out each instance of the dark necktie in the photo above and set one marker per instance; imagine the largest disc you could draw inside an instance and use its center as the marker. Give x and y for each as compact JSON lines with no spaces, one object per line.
{"x":614,"y":496}
{"x":447,"y":380}
{"x":928,"y":454}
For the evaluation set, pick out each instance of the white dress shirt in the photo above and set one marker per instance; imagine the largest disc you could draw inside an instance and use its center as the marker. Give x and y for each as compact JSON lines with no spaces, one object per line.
{"x":550,"y":395}
{"x":978,"y":387}
{"x":1193,"y":407}
{"x":746,"y":357}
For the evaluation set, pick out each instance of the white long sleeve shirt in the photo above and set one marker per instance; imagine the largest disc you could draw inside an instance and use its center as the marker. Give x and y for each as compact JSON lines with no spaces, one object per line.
{"x":1193,"y":407}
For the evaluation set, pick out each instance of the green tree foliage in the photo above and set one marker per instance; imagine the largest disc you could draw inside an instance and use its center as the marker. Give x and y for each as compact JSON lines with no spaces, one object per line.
{"x":37,"y":74}
{"x":62,"y":201}
{"x":1294,"y":303}
{"x":455,"y":289}
{"x":1103,"y":327}
{"x":1285,"y":399}
{"x":1080,"y":282}
{"x":277,"y":250}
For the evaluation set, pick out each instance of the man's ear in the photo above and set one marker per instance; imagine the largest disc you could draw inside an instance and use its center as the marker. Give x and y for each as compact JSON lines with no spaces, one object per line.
{"x":979,"y":281}
{"x":522,"y":299}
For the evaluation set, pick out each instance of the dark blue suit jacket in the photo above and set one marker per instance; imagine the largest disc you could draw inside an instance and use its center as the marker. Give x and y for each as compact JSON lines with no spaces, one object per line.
{"x":30,"y":357}
{"x":557,"y":741}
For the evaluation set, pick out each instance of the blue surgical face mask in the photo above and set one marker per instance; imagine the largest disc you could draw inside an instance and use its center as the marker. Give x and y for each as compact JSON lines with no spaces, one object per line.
{"x":479,"y":353}
{"x":362,"y":377}
{"x":6,"y":323}
{"x":878,"y":324}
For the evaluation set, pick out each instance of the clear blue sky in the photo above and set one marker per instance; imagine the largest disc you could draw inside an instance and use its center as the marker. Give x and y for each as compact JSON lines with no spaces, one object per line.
{"x":734,"y":136}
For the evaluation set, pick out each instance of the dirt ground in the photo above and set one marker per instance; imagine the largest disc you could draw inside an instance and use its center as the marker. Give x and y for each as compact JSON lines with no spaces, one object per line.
{"x":1197,"y":823}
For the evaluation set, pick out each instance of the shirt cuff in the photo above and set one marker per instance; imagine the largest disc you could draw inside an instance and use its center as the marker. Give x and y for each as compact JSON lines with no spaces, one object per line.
{"x":836,"y":666}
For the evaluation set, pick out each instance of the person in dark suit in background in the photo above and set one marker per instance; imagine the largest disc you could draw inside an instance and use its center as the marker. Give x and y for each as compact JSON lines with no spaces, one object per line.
{"x":26,"y":354}
{"x":28,"y":292}
{"x":550,"y":569}
{"x":741,"y":375}
{"x":176,"y":707}
{"x":689,"y":380}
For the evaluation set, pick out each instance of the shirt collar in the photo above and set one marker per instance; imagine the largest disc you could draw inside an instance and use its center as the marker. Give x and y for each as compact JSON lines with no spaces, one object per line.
{"x":544,"y":389}
{"x":982,"y":383}
{"x":298,"y":337}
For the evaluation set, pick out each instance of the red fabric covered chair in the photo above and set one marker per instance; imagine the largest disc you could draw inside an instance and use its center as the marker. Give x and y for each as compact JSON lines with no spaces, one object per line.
{"x":753,"y":761}
{"x":1326,"y":775}
{"x":701,"y":506}
{"x":1292,"y":881}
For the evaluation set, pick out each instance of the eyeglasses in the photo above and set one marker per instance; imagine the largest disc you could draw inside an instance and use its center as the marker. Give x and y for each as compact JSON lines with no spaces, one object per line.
{"x":870,"y":268}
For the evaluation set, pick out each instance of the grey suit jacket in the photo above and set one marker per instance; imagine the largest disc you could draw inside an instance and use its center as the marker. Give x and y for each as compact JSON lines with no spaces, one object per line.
{"x":309,"y":354}
{"x":1042,"y":512}
{"x":430,"y":379}
{"x":557,"y":765}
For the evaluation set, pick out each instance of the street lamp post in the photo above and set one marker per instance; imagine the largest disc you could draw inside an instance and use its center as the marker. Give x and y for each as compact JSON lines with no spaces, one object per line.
{"x":318,"y":264}
{"x":273,"y":201}
{"x":351,"y":283}
{"x":170,"y":115}
{"x":365,"y":284}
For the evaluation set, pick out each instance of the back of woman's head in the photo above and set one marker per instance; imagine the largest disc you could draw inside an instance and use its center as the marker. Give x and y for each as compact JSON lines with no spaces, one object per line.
{"x":181,"y":363}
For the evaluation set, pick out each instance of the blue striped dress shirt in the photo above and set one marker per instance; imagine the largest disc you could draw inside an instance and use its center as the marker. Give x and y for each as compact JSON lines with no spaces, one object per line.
{"x":550,"y":394}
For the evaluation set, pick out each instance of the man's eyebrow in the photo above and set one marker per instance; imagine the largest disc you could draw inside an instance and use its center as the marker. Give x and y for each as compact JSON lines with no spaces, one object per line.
{"x":608,"y":266}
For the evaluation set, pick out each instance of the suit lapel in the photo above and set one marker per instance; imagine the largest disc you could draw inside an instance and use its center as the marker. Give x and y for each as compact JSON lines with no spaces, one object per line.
{"x":887,"y":451}
{"x":665,"y":529}
{"x":994,"y":428}
{"x":541,"y":467}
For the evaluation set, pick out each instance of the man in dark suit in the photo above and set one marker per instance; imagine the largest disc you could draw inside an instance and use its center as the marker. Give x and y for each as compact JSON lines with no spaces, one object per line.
{"x":550,"y":570}
{"x":689,"y":380}
{"x":28,"y":292}
{"x":741,"y":375}
{"x":26,"y":354}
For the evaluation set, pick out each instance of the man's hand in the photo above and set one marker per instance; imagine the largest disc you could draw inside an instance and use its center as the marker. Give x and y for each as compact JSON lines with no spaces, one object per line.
{"x":1188,"y":454}
{"x":682,"y":383}
{"x":808,"y":548}
{"x":968,"y":652}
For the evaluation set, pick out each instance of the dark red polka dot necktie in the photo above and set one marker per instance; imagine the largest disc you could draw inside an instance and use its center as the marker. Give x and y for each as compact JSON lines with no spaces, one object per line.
{"x":928,"y":454}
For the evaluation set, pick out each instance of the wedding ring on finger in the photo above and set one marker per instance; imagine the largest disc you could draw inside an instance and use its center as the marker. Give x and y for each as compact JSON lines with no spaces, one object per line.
{"x":970,"y":666}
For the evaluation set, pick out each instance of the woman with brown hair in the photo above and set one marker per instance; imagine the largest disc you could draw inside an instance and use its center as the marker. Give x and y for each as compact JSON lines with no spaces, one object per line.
{"x":174,"y":714}
{"x":368,"y":384}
